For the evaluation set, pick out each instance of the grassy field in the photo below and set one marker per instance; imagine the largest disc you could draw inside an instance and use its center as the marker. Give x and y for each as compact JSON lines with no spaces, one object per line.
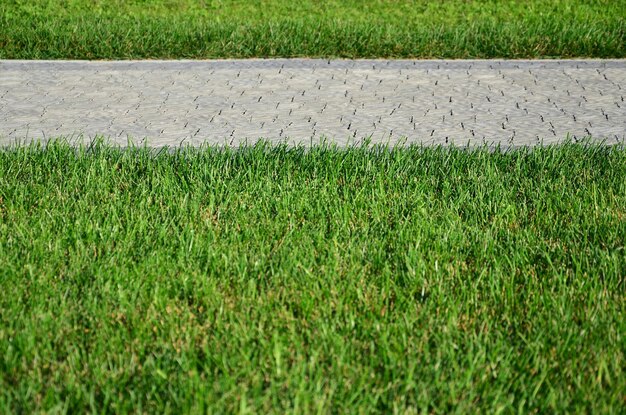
{"x":273,"y":279}
{"x":120,"y":29}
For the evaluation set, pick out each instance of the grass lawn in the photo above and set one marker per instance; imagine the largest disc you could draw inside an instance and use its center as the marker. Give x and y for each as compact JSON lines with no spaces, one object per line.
{"x":121,"y":29}
{"x":273,"y":279}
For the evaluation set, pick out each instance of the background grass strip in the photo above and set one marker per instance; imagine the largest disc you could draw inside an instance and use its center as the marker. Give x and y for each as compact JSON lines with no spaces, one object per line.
{"x":272,"y":279}
{"x":173,"y":29}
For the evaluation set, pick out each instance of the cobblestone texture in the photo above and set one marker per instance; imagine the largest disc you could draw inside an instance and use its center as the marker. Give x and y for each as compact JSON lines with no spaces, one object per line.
{"x":299,"y":100}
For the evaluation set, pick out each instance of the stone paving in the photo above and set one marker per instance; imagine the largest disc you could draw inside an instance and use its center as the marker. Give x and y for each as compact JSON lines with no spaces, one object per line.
{"x":303,"y":100}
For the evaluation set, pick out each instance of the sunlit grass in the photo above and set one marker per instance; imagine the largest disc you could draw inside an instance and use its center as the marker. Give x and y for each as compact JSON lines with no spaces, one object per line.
{"x":173,"y":29}
{"x":274,"y":279}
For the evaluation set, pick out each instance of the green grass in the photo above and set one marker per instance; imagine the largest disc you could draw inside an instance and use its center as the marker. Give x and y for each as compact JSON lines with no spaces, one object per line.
{"x":116,"y":29}
{"x":273,"y":279}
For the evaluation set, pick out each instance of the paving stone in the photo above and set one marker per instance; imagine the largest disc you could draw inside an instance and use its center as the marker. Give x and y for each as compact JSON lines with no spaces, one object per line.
{"x":305,"y":100}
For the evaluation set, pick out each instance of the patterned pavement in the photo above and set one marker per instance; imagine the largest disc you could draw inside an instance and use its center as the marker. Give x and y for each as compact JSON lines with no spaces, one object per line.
{"x":458,"y":102}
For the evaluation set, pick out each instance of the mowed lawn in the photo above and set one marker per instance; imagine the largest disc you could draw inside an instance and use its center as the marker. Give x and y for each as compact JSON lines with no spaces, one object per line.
{"x":280,"y":279}
{"x":173,"y":29}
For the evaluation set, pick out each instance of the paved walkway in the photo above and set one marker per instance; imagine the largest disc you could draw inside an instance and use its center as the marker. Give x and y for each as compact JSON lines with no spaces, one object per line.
{"x":430,"y":102}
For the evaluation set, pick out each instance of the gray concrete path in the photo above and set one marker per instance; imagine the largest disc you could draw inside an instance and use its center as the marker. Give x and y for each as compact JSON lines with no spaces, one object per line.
{"x":299,"y":100}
